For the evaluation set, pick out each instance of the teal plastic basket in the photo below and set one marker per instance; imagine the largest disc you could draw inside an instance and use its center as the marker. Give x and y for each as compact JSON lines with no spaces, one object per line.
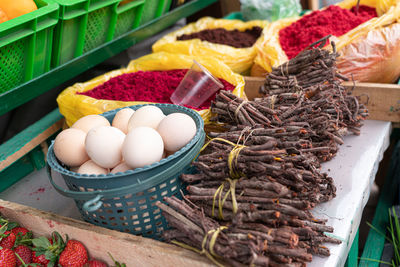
{"x":126,"y":201}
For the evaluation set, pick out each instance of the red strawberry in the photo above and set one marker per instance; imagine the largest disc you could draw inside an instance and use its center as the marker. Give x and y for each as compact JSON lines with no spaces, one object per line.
{"x":97,"y":263}
{"x":74,"y":255}
{"x":51,"y":247}
{"x":7,"y":258}
{"x":39,"y":259}
{"x":8,"y":240}
{"x":22,"y":230}
{"x":25,"y":253}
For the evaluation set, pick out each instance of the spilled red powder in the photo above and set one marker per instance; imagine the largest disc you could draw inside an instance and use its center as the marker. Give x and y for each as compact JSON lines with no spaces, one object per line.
{"x":39,"y":190}
{"x":149,"y":86}
{"x":333,"y":20}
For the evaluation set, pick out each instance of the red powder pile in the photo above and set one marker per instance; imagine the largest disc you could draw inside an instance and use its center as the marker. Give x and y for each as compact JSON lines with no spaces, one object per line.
{"x":333,"y":20}
{"x":149,"y":86}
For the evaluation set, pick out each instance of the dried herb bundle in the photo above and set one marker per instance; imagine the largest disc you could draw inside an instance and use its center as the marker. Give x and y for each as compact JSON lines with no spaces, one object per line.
{"x":261,"y":177}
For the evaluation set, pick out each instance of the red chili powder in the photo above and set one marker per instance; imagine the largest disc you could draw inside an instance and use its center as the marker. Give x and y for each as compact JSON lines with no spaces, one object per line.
{"x":149,"y":86}
{"x":333,"y":20}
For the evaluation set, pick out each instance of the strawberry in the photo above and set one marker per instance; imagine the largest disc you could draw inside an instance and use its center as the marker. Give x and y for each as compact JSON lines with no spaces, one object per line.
{"x":97,"y":263}
{"x":25,"y":253}
{"x":20,"y":230}
{"x":8,"y":239}
{"x":46,"y":251}
{"x":41,"y":259}
{"x":7,"y":258}
{"x":74,"y":255}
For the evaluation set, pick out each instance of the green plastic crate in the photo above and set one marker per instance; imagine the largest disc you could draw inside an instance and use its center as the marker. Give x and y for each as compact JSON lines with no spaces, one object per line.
{"x":26,"y":45}
{"x":83,"y":25}
{"x":154,"y":9}
{"x":128,"y":17}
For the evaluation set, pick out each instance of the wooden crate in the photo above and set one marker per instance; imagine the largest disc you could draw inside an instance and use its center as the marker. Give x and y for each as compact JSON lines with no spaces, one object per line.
{"x":383,"y":103}
{"x":130,"y":249}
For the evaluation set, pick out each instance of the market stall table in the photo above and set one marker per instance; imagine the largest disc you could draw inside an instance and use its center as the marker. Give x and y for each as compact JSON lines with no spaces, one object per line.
{"x":353,"y":169}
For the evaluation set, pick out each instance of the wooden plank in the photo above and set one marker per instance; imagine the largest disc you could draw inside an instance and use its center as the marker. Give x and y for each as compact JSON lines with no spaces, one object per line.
{"x":130,"y":249}
{"x":252,"y":84}
{"x":383,"y":104}
{"x":229,"y":6}
{"x":313,"y":4}
{"x":28,"y":139}
{"x":384,"y":100}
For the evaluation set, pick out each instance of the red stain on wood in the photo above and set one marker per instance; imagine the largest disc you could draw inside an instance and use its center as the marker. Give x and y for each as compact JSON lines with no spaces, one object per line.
{"x":50,"y":224}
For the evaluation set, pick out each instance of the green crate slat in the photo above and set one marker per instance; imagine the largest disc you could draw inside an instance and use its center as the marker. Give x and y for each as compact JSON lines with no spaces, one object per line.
{"x":375,"y":241}
{"x":154,"y":9}
{"x":26,"y":45}
{"x":83,"y":25}
{"x":37,"y":86}
{"x":128,"y":17}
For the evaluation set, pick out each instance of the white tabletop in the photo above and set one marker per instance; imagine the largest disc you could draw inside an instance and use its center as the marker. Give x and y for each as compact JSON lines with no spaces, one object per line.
{"x":353,"y":169}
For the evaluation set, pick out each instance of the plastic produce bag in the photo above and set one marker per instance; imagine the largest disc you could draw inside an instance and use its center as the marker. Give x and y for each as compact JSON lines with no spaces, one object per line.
{"x":270,"y":10}
{"x":373,"y":57}
{"x":238,"y":59}
{"x":369,"y":44}
{"x":73,"y":106}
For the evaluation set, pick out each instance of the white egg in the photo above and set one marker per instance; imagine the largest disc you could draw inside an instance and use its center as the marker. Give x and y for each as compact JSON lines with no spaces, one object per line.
{"x":104,"y":145}
{"x":176,"y":130}
{"x":147,"y":116}
{"x":121,"y":119}
{"x":90,"y":167}
{"x":122,"y":167}
{"x":69,"y":147}
{"x":89,"y":122}
{"x":142,"y":146}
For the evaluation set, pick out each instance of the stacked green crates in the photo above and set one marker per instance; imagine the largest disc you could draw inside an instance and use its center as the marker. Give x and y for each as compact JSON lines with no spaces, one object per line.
{"x":154,"y":9}
{"x":34,"y":43}
{"x":87,"y":24}
{"x":83,"y":25}
{"x":26,"y":45}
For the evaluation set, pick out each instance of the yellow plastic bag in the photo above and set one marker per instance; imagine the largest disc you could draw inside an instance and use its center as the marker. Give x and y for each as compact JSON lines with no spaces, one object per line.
{"x":359,"y":48}
{"x":73,"y":106}
{"x":238,"y":59}
{"x":269,"y":51}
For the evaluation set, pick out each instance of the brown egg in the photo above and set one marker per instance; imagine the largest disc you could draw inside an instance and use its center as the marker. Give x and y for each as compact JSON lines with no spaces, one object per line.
{"x":89,"y":122}
{"x":69,"y":147}
{"x":121,"y":119}
{"x":122,"y":167}
{"x":90,"y":167}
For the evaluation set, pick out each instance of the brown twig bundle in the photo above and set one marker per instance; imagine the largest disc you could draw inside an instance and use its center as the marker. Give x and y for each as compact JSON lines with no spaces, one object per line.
{"x":262,"y":176}
{"x":309,"y":68}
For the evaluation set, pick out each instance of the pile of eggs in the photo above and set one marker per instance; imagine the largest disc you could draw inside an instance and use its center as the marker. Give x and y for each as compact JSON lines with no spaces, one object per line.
{"x":133,"y":140}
